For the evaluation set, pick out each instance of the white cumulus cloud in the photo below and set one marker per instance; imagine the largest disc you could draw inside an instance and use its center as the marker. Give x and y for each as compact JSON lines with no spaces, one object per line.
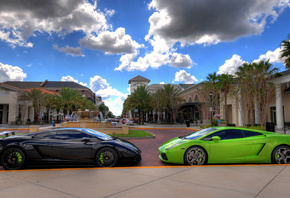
{"x":183,"y":76}
{"x":69,"y":78}
{"x":20,"y":21}
{"x":231,"y":65}
{"x":117,"y":42}
{"x":11,"y":73}
{"x":272,"y":56}
{"x":113,"y":98}
{"x":209,"y":22}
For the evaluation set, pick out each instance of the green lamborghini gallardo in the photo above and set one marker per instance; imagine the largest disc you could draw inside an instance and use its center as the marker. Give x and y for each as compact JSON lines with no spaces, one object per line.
{"x":220,"y":145}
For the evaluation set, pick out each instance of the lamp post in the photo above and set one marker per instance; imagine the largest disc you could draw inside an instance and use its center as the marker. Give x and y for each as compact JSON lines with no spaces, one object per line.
{"x":210,"y":109}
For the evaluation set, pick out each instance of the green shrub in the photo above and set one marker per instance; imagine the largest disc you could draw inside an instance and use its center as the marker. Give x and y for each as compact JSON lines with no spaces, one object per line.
{"x":231,"y":124}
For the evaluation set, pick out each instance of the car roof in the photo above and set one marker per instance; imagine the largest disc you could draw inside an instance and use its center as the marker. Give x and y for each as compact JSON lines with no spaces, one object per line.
{"x":241,"y":128}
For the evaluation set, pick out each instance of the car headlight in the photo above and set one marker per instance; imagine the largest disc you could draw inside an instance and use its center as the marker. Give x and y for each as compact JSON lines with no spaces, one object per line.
{"x":174,"y":145}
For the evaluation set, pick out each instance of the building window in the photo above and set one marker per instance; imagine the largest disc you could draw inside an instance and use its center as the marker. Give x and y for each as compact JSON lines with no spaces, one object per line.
{"x":190,"y":99}
{"x":273,"y":114}
{"x":196,"y":98}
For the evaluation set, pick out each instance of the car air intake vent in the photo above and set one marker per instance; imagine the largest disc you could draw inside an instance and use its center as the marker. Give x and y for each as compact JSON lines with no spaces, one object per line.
{"x":163,"y":155}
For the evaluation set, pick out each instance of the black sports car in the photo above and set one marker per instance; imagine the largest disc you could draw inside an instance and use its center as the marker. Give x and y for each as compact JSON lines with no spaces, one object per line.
{"x":66,"y":145}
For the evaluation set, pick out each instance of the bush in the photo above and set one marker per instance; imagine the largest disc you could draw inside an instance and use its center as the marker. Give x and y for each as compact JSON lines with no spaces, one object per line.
{"x":205,"y":126}
{"x":257,"y":128}
{"x":231,"y":125}
{"x":28,"y":122}
{"x":202,"y":126}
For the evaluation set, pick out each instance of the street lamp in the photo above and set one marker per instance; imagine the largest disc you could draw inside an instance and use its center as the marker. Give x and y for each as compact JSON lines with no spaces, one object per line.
{"x":210,"y":109}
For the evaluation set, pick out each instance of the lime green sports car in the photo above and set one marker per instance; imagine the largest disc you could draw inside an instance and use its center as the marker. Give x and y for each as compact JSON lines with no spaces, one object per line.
{"x":220,"y":145}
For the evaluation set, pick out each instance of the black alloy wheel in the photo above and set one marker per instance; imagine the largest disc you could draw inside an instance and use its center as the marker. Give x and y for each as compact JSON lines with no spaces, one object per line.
{"x":13,"y":159}
{"x":106,"y":157}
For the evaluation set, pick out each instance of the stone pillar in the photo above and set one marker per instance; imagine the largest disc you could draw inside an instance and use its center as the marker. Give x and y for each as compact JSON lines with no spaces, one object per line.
{"x":240,"y":113}
{"x":257,"y":115}
{"x":279,"y":108}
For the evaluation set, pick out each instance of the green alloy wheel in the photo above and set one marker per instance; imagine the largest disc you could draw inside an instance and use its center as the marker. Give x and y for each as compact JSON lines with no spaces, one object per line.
{"x":13,"y":159}
{"x":106,"y":157}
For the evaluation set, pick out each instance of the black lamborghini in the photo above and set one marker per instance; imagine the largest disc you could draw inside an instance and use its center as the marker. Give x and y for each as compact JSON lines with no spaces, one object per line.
{"x":66,"y":145}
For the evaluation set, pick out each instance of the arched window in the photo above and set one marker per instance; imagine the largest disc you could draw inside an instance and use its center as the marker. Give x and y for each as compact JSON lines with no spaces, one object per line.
{"x":189,"y":99}
{"x":196,"y":98}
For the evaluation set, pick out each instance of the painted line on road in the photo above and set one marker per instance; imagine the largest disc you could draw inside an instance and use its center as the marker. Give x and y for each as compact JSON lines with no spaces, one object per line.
{"x":142,"y":167}
{"x":132,"y":128}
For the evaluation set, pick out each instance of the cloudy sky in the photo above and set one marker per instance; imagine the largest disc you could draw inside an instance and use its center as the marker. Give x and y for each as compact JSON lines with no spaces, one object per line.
{"x":103,"y":44}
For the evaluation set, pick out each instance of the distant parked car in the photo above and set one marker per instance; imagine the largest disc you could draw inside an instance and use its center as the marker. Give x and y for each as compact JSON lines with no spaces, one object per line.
{"x":130,"y":122}
{"x":66,"y":145}
{"x":127,"y":121}
{"x":116,"y":119}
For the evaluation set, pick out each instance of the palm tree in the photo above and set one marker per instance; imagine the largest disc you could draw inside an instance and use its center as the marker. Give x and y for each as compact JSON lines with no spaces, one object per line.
{"x":69,"y":99}
{"x":172,"y":100}
{"x":211,"y":85}
{"x":285,"y":52}
{"x":255,"y":87}
{"x":140,"y":99}
{"x":265,"y":90}
{"x":246,"y":75}
{"x":37,"y":97}
{"x":225,"y":82}
{"x":158,"y":101}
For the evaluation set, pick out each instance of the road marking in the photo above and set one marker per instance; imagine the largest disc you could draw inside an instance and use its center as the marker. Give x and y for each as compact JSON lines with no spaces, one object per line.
{"x":140,"y":167}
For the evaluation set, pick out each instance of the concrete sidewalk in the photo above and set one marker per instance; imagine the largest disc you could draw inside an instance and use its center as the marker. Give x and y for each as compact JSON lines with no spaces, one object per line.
{"x":245,"y":181}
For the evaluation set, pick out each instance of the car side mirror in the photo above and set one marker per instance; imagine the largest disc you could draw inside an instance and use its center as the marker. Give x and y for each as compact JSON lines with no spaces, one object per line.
{"x":85,"y":139}
{"x":216,"y":138}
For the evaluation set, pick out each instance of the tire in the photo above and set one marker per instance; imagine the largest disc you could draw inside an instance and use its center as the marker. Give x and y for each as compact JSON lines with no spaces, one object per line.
{"x":195,"y":156}
{"x":106,"y":157}
{"x":13,"y":159}
{"x":281,"y":155}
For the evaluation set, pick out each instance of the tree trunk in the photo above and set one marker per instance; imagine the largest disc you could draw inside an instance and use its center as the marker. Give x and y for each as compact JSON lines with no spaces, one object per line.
{"x":226,"y":110}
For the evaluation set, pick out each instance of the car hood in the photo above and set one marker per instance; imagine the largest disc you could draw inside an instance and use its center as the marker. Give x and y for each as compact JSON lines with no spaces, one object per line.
{"x":126,"y":144}
{"x":173,"y":142}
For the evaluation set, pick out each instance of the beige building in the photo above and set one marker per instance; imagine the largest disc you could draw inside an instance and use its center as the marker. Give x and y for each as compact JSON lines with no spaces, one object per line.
{"x":195,"y":107}
{"x":10,"y":107}
{"x":12,"y":110}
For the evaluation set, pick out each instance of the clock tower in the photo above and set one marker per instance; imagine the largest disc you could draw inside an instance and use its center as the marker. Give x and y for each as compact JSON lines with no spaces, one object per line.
{"x":137,"y":82}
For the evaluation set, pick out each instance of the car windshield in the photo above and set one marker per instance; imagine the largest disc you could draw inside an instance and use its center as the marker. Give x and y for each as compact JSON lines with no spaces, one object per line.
{"x":203,"y":132}
{"x":98,"y":134}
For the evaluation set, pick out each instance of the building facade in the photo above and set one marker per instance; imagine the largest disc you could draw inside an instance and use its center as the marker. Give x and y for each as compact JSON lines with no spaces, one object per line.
{"x":12,"y":110}
{"x":196,"y":107}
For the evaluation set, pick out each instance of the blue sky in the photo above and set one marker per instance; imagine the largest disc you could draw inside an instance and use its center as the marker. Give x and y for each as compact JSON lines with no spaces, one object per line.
{"x":103,"y":44}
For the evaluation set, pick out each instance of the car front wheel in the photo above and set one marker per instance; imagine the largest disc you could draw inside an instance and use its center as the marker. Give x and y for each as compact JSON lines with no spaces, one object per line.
{"x":106,"y":157}
{"x":281,"y":155}
{"x":13,"y":159}
{"x":195,"y":156}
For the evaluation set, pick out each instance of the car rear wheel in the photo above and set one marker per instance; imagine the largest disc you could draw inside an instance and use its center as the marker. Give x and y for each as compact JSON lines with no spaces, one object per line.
{"x":106,"y":157}
{"x":195,"y":156}
{"x":281,"y":155}
{"x":13,"y":159}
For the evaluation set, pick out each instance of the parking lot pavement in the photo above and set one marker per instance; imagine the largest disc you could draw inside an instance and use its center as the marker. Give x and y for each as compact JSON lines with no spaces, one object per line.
{"x":149,"y":147}
{"x":226,"y":181}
